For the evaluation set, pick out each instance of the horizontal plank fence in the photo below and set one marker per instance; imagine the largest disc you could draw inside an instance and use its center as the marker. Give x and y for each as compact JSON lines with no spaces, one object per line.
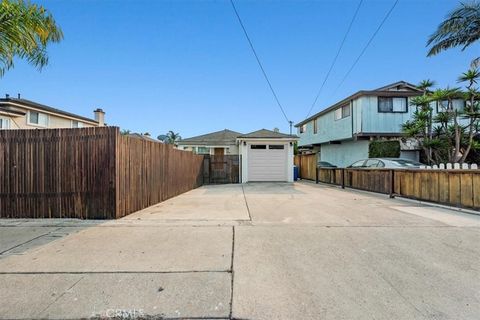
{"x":459,"y":188}
{"x":88,"y":173}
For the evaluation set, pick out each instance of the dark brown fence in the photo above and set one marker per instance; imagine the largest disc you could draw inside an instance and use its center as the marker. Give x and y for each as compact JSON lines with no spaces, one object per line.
{"x":221,"y":169}
{"x":88,"y":173}
{"x":458,"y":188}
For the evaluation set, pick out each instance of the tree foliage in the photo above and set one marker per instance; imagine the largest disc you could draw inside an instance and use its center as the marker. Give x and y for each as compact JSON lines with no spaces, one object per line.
{"x":450,"y":134}
{"x":171,"y":137}
{"x":461,"y":28}
{"x":25,"y":31}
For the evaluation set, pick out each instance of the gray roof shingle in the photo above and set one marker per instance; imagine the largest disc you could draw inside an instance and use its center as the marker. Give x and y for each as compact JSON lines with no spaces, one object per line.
{"x":223,"y":137}
{"x":267,"y":134}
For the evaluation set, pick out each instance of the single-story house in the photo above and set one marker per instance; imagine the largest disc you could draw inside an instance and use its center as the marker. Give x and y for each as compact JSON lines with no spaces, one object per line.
{"x":19,"y":113}
{"x":264,"y":155}
{"x":217,"y":143}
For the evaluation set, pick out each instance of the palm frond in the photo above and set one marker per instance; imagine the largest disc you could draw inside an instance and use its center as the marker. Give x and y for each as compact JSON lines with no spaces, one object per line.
{"x":461,"y":28}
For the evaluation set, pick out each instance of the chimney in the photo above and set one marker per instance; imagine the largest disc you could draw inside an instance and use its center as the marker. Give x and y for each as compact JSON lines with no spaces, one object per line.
{"x":99,"y":117}
{"x":7,"y":96}
{"x":19,"y":96}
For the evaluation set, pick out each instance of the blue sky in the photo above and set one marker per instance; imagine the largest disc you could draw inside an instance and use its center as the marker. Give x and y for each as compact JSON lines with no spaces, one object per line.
{"x":155,"y":66}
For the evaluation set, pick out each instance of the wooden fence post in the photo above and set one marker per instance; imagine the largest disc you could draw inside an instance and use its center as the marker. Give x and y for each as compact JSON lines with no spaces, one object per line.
{"x":343,"y":178}
{"x":392,"y":184}
{"x":316,"y":175}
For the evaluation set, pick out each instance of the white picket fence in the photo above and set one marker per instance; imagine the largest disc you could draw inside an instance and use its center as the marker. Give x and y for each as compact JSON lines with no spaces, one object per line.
{"x":452,"y":166}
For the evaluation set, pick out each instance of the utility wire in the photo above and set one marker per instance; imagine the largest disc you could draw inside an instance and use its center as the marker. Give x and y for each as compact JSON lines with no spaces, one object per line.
{"x":367,"y":45}
{"x":335,"y":59}
{"x":259,"y":63}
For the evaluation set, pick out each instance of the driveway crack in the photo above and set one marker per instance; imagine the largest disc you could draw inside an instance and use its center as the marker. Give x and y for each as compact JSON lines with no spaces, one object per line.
{"x":63,"y":293}
{"x":246,"y":204}
{"x":232,"y":273}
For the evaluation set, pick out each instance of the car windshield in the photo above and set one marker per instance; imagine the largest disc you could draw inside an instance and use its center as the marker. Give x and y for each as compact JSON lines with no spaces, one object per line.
{"x":405,"y":163}
{"x":357,"y":164}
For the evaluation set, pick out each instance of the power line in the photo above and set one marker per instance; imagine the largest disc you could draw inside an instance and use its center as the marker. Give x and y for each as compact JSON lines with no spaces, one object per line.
{"x":367,"y":45}
{"x":335,"y":59}
{"x":258,"y":61}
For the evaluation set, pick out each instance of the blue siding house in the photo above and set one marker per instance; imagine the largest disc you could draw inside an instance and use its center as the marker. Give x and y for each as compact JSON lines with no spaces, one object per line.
{"x":341,"y":134}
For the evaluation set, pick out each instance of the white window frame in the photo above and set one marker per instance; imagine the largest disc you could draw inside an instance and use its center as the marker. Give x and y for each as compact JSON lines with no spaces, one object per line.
{"x":393,"y":99}
{"x":79,"y":124}
{"x":207,"y":149}
{"x":303,"y":128}
{"x":5,"y":121}
{"x":38,"y":124}
{"x":340,"y":112}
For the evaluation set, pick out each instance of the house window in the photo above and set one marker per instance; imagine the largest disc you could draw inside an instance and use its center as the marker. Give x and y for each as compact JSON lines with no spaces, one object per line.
{"x":258,"y":146}
{"x":203,"y":150}
{"x":392,"y":104}
{"x":37,"y":118}
{"x":457,"y":104}
{"x":315,"y":126}
{"x":303,"y":128}
{"x":4,"y":123}
{"x":77,"y":124}
{"x":342,"y":112}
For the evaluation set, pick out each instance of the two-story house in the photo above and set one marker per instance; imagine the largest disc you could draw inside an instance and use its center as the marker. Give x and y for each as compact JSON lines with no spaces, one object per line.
{"x":342,"y":133}
{"x":18,"y":113}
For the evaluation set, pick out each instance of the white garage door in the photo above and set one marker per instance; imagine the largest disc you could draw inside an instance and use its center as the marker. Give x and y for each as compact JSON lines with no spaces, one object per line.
{"x":267,"y":162}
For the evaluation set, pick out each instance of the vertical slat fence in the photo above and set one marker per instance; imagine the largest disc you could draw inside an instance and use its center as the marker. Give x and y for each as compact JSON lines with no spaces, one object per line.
{"x":88,"y":173}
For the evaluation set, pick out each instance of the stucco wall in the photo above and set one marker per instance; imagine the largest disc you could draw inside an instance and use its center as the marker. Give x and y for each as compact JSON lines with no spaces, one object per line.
{"x":344,"y":154}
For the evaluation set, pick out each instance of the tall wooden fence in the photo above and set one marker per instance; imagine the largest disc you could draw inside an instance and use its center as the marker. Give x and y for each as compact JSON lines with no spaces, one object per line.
{"x":88,"y":173}
{"x":307,"y":165}
{"x":221,"y":169}
{"x":458,"y":188}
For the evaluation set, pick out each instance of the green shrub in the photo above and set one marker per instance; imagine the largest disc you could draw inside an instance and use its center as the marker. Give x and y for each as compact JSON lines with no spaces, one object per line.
{"x":384,"y":149}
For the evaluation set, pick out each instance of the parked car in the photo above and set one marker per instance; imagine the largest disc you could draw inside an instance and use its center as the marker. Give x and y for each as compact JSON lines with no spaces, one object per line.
{"x":325,"y":164}
{"x":389,"y":163}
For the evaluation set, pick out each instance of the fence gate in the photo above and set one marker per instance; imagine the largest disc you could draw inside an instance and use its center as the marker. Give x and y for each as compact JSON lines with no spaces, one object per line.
{"x":221,"y":169}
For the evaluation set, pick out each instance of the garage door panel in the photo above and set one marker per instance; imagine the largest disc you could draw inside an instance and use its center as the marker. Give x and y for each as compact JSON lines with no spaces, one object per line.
{"x":267,"y":164}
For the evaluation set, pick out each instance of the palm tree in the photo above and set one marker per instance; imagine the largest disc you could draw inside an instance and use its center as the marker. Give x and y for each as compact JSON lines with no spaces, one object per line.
{"x":448,"y":95}
{"x":125,"y":132}
{"x":426,"y":85}
{"x":172,"y":137}
{"x":472,"y":77}
{"x":460,"y":28}
{"x":25,"y":31}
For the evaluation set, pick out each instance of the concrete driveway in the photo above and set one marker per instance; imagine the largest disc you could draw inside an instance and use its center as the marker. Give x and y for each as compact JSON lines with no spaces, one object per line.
{"x":257,"y":251}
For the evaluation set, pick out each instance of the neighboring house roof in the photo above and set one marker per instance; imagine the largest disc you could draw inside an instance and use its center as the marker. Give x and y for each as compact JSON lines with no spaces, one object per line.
{"x":399,"y":88}
{"x":266,"y":134}
{"x":6,"y":102}
{"x":223,"y":137}
{"x":142,"y":136}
